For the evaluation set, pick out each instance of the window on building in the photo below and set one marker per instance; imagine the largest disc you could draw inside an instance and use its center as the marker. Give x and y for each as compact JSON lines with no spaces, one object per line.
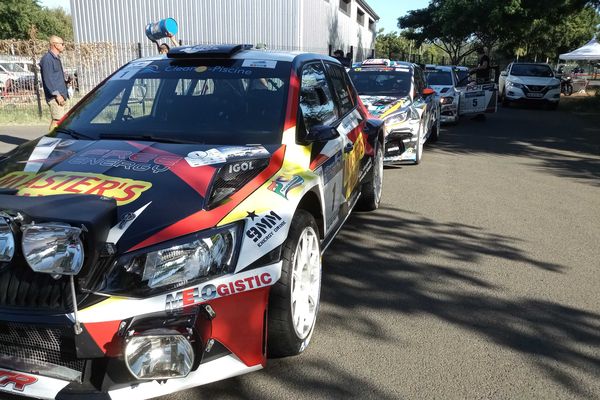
{"x":371,"y":25}
{"x":345,"y":6}
{"x":360,"y":17}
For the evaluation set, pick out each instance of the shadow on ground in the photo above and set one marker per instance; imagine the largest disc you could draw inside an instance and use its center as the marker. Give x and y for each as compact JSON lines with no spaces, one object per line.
{"x":561,"y":143}
{"x":361,"y":280}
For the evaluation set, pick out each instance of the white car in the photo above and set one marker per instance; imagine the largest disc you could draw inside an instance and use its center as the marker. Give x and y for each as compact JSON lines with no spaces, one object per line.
{"x":529,"y":82}
{"x":444,"y":81}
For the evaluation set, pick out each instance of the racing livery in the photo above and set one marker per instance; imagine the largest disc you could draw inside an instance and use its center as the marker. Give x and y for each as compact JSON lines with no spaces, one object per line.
{"x":396,"y":92}
{"x":169,"y":232}
{"x":444,"y":81}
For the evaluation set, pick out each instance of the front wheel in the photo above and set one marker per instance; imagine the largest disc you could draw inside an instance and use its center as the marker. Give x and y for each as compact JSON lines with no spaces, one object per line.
{"x":294,"y":299}
{"x":568,"y":89}
{"x":435,"y":130}
{"x":419,"y":149}
{"x":371,"y":190}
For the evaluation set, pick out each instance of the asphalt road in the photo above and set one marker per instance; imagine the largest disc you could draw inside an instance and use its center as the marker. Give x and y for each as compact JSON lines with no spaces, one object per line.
{"x":478,"y":278}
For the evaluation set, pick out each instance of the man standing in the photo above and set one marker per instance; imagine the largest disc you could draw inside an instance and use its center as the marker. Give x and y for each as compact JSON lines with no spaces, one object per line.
{"x":482,"y":71}
{"x":53,"y":80}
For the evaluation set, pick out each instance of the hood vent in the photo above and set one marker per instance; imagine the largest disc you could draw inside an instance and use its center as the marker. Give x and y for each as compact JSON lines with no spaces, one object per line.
{"x":232,"y":177}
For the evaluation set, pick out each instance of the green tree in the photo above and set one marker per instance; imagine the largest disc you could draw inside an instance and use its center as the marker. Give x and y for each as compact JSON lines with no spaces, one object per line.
{"x":17,"y":17}
{"x":390,"y":45}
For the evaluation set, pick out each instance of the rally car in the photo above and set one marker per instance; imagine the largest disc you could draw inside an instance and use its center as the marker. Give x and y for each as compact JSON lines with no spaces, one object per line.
{"x":444,"y":81}
{"x":169,"y":232}
{"x":397,"y":93}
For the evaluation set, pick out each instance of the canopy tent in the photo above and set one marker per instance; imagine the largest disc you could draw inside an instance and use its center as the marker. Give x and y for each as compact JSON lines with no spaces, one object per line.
{"x":589,"y":51}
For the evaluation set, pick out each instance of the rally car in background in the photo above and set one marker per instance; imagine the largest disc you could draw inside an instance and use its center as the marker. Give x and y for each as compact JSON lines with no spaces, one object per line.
{"x":397,"y":93}
{"x":169,"y":232}
{"x":444,"y":81}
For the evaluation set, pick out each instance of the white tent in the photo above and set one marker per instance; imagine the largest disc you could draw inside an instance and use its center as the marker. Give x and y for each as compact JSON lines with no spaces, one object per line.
{"x":590,"y":51}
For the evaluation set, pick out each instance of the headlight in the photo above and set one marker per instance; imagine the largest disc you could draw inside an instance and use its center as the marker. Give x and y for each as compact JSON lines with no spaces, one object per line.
{"x":447,"y":100}
{"x":7,"y":240}
{"x":196,"y":257}
{"x":397,"y":118}
{"x":514,"y":84}
{"x":53,"y":248}
{"x":552,"y":87}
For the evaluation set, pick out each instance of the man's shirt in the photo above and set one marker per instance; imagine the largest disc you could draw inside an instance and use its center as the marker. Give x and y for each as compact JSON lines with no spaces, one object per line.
{"x":53,"y":76}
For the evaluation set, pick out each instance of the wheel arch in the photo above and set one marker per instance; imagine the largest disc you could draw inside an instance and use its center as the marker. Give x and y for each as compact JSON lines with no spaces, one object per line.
{"x":311,"y":202}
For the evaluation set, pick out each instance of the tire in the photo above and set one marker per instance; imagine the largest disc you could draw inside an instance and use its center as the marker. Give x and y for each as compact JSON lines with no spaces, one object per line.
{"x":371,"y":190}
{"x":435,"y":131}
{"x":419,"y":149}
{"x":568,"y":89}
{"x":298,"y":290}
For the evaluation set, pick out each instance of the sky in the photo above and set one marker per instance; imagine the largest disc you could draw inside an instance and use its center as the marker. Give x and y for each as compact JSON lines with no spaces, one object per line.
{"x":388,"y":10}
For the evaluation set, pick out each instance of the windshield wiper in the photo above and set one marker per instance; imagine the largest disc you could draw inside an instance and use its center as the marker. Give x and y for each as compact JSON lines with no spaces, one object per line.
{"x":74,"y":134}
{"x":152,"y":138}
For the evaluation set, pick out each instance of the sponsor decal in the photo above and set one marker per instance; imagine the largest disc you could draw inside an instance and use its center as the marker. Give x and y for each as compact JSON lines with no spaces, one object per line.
{"x":241,"y":166}
{"x":199,"y":294}
{"x":352,"y":165}
{"x":350,"y":122}
{"x":271,"y":64}
{"x":16,"y":379}
{"x":217,"y":69}
{"x":221,"y":155}
{"x":475,"y":94}
{"x":128,"y":160}
{"x":331,"y":167}
{"x":262,"y":229}
{"x":283,"y":184}
{"x":366,"y":169}
{"x":49,"y":182}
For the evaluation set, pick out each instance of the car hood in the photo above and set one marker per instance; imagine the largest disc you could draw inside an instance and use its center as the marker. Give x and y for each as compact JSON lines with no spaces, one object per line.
{"x":380,"y":106}
{"x":441,"y":89}
{"x":160,"y":184}
{"x":534,"y":80}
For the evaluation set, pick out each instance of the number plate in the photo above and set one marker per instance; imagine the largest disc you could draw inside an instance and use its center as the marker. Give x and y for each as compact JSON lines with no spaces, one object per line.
{"x":535,"y":95}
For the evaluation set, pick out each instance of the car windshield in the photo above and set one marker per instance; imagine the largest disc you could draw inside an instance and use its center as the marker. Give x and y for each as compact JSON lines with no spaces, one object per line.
{"x":12,"y":67}
{"x":222,"y":101}
{"x":439,"y":78}
{"x":382,"y":83}
{"x":542,"y":71}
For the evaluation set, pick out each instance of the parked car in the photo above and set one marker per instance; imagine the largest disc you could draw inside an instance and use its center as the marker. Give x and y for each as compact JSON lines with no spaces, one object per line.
{"x":169,"y":232}
{"x":529,"y":82}
{"x":11,"y":74}
{"x":396,"y":92}
{"x":444,"y":81}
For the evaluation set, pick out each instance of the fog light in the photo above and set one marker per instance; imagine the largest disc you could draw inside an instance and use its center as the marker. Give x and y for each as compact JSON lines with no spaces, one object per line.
{"x":53,"y":248}
{"x":7,"y":241}
{"x":159,"y":357}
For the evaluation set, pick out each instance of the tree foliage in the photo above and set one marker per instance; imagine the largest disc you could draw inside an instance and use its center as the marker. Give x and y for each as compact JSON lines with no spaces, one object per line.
{"x":18,"y":17}
{"x":533,"y":27}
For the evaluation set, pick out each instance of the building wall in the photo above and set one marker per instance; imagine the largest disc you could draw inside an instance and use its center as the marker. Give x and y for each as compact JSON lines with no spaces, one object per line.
{"x":307,"y":25}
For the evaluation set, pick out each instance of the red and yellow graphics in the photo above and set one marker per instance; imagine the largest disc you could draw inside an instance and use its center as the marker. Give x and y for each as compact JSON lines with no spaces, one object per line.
{"x":49,"y":182}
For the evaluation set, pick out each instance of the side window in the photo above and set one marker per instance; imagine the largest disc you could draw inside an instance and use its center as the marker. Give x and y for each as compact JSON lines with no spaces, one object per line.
{"x":419,"y":82}
{"x":341,"y":87}
{"x":316,"y":101}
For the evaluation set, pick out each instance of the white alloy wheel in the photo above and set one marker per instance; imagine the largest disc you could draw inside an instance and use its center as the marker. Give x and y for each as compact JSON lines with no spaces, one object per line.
{"x":306,"y":282}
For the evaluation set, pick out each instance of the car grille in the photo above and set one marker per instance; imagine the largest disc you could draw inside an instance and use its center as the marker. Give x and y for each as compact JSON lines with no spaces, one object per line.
{"x":39,"y":348}
{"x":21,"y":287}
{"x":535,"y":88}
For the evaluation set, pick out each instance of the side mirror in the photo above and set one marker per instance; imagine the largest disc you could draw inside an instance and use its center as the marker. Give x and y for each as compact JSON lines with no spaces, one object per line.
{"x":503,"y":73}
{"x":428,"y":92}
{"x":321,"y":133}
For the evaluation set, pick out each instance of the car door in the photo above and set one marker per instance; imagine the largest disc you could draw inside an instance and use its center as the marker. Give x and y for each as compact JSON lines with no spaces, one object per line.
{"x":423,"y":104}
{"x":327,"y":157}
{"x":350,"y":126}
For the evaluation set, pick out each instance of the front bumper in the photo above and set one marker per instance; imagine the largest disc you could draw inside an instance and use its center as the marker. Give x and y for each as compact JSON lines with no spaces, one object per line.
{"x":400,"y":145}
{"x":523,"y":94}
{"x":42,"y":357}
